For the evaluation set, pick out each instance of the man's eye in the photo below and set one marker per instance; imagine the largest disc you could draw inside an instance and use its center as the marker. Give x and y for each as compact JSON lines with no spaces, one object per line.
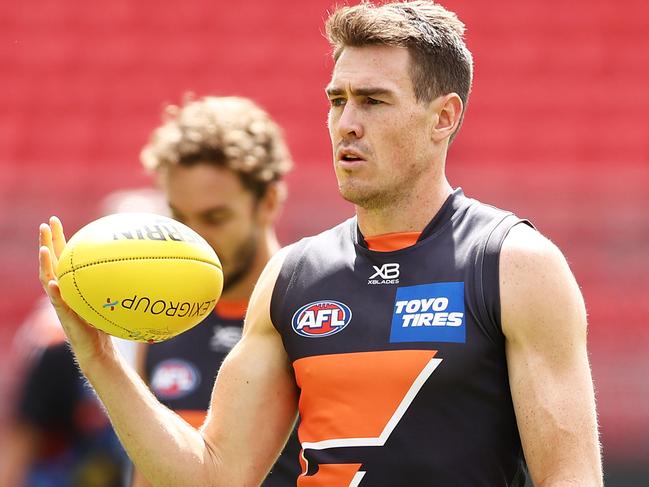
{"x":373,"y":101}
{"x":337,"y":102}
{"x":218,"y":218}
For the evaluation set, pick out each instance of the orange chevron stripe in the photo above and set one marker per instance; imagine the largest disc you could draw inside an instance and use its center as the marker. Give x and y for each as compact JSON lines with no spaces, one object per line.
{"x":354,"y":395}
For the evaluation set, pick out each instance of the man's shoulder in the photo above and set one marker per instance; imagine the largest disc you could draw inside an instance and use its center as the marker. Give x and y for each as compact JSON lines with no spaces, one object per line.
{"x":290,"y":254}
{"x":343,"y":231}
{"x":536,"y":282}
{"x":526,"y":243}
{"x":484,"y":224}
{"x":316,"y":255}
{"x":343,"y":227}
{"x":479,"y":208}
{"x":527,"y":254}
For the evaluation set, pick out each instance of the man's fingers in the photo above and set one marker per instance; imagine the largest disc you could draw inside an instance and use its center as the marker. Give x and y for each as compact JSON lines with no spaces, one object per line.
{"x":45,"y":269}
{"x":54,"y":293}
{"x":47,"y":278}
{"x":58,"y":237}
{"x":44,"y":235}
{"x":45,"y":240}
{"x":66,"y":315}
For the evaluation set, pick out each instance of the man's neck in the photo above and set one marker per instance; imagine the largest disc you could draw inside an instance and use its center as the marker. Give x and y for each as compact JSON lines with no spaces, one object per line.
{"x":410,"y":214}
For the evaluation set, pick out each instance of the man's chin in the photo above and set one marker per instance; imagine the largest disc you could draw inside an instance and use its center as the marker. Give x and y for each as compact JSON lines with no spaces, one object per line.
{"x":230,"y":282}
{"x":239,"y":264}
{"x":363,"y":199}
{"x":352,"y":193}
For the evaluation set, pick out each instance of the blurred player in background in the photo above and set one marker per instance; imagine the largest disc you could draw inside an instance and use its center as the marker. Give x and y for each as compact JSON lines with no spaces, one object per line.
{"x":430,"y":340}
{"x":58,"y":435}
{"x":220,"y":162}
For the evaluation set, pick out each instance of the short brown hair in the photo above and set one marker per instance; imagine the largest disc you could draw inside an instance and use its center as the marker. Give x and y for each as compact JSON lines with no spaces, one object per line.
{"x":440,"y":61}
{"x":231,"y":132}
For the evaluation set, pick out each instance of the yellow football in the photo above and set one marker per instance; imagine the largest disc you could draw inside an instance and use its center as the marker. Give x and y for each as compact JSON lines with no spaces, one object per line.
{"x":140,"y":276}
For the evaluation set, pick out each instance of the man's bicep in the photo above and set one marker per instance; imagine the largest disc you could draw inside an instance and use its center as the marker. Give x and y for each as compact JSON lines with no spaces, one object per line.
{"x":544,"y":321}
{"x":254,"y":402}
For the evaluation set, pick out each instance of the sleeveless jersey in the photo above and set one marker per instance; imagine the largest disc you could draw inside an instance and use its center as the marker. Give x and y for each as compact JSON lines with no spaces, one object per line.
{"x":181,"y":374}
{"x":400,"y":357}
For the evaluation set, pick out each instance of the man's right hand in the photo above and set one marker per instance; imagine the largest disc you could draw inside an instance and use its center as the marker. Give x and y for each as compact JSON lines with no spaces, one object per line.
{"x":87,"y":343}
{"x":252,"y":410}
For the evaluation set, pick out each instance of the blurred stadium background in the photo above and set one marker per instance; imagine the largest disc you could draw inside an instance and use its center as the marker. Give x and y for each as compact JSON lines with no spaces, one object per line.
{"x":556,"y":131}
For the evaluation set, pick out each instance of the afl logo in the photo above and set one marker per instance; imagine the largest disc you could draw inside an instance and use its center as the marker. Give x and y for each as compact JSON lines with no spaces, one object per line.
{"x":173,"y":379}
{"x":321,"y":319}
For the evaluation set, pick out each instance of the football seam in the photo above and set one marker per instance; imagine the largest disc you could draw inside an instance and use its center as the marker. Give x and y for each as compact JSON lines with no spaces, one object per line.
{"x":73,"y":269}
{"x":74,"y":280}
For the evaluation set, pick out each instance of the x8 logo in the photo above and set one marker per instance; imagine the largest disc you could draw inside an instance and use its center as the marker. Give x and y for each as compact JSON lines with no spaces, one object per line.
{"x":386,"y":271}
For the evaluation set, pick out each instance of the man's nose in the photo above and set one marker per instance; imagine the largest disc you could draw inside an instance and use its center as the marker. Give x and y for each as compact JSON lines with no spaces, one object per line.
{"x":349,"y":124}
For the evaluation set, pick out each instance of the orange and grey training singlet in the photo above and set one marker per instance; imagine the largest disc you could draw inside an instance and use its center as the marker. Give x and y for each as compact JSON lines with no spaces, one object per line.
{"x":400,"y":357}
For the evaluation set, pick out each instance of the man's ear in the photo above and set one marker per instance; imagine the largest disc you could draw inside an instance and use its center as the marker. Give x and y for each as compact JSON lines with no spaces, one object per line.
{"x":271,"y":203}
{"x":448,"y":115}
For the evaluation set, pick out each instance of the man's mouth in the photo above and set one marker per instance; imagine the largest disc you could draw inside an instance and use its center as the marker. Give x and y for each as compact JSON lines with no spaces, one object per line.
{"x":350,"y":156}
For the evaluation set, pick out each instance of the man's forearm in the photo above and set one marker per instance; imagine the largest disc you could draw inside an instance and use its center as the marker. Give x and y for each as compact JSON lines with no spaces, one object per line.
{"x":163,"y":447}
